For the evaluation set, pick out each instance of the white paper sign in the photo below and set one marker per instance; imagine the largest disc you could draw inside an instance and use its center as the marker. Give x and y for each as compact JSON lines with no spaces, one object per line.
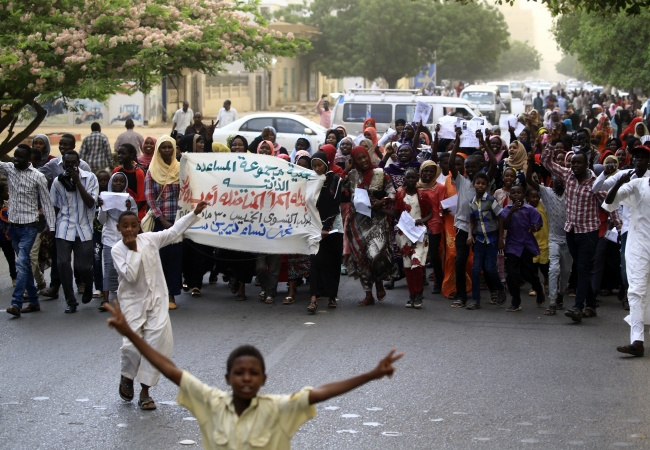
{"x":447,"y":130}
{"x":114,"y":200}
{"x":422,"y":111}
{"x":513,"y":122}
{"x":612,"y":235}
{"x":255,"y":202}
{"x":361,"y":202}
{"x":390,"y":132}
{"x":468,"y":135}
{"x":413,"y":232}
{"x":451,"y":204}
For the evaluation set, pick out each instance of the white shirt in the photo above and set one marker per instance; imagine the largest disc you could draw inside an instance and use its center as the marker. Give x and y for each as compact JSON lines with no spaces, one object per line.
{"x":74,"y":219}
{"x":183,"y":119}
{"x":602,"y":184}
{"x":528,"y":98}
{"x":226,"y":117}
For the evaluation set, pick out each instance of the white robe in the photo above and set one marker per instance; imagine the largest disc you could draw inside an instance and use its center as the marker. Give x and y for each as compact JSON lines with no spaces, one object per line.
{"x":636,"y":195}
{"x":144,"y":298}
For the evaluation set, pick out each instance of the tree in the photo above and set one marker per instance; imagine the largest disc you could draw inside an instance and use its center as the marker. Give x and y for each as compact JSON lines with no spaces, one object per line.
{"x":72,"y":49}
{"x":520,"y":57}
{"x":389,"y":39}
{"x":571,"y":67}
{"x":557,"y":7}
{"x":612,"y":49}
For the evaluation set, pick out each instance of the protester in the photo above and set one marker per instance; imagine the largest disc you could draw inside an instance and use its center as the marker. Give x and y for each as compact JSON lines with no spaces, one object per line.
{"x":5,"y":240}
{"x":268,"y":134}
{"x":96,"y":150}
{"x":42,"y":143}
{"x":126,"y":157}
{"x":199,"y":128}
{"x":324,"y":112}
{"x":129,"y":137}
{"x":428,"y":184}
{"x":540,"y":261}
{"x":73,"y":194}
{"x":161,"y":191}
{"x":148,"y":147}
{"x":103,"y":180}
{"x":227,"y":114}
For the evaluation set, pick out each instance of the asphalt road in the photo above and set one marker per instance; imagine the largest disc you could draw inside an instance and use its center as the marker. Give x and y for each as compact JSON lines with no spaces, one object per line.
{"x":482,"y":379}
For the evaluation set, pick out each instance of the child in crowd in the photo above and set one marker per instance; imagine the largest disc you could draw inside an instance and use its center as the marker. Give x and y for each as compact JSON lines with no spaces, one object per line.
{"x":109,"y":234}
{"x":521,"y":220}
{"x":418,"y":204}
{"x":144,"y":297}
{"x":245,"y":417}
{"x":541,"y":261}
{"x":502,"y":195}
{"x":103,"y":180}
{"x":486,"y":237}
{"x":127,"y":157}
{"x":5,"y":240}
{"x":429,"y":174}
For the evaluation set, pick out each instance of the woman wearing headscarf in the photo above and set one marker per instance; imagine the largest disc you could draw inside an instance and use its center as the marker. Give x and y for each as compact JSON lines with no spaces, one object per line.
{"x":371,"y":256}
{"x":498,"y":146}
{"x":333,"y":137}
{"x":218,"y":147}
{"x":42,"y":143}
{"x":161,"y":188}
{"x":237,"y":144}
{"x":268,"y":134}
{"x":148,"y":147}
{"x":192,"y":143}
{"x":325,"y":272}
{"x":369,"y":122}
{"x":435,"y":193}
{"x":518,"y":160}
{"x":302,"y":144}
{"x":569,"y":125}
{"x":330,"y":152}
{"x":342,"y":131}
{"x":604,"y":126}
{"x":343,"y":151}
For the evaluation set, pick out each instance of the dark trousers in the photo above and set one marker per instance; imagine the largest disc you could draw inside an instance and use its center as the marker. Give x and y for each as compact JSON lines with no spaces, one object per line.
{"x":485,"y":259}
{"x":462,"y":255}
{"x":171,"y":258}
{"x":521,"y":266}
{"x":98,"y":273}
{"x":582,"y":247}
{"x":10,"y":255}
{"x":325,"y":267}
{"x":197,"y":260}
{"x":268,"y":271}
{"x":83,"y":265}
{"x":434,"y":257}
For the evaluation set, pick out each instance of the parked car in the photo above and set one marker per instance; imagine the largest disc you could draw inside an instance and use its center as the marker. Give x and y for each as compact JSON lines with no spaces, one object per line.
{"x":288,"y":126}
{"x":504,"y":92}
{"x":486,"y":98}
{"x":517,"y":89}
{"x":387,"y":105}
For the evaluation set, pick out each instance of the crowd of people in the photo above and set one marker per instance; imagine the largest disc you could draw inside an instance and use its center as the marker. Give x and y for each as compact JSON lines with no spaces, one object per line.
{"x":524,"y":208}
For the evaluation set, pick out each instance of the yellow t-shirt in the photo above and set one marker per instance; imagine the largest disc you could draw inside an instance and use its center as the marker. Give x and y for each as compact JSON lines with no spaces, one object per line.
{"x":268,"y":423}
{"x":542,"y":237}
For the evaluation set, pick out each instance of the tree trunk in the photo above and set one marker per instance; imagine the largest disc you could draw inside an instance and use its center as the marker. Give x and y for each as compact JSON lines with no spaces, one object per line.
{"x":10,"y":119}
{"x":392,"y":81}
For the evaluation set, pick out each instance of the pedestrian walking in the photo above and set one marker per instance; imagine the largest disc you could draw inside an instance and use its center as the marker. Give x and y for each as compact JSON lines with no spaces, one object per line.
{"x":5,"y":240}
{"x":227,"y":115}
{"x":182,"y":118}
{"x":96,"y":150}
{"x":129,"y":137}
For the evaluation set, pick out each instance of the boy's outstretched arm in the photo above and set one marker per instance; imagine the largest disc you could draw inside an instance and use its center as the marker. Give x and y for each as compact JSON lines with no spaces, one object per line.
{"x":157,"y":359}
{"x":327,"y":391}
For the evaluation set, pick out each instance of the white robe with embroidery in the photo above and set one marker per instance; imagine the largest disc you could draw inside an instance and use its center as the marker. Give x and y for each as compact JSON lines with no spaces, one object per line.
{"x":144,"y":298}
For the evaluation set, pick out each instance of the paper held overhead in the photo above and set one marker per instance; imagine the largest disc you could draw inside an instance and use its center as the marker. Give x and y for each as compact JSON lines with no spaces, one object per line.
{"x":422,"y":112}
{"x":447,"y":127}
{"x":513,"y":121}
{"x":387,"y":135}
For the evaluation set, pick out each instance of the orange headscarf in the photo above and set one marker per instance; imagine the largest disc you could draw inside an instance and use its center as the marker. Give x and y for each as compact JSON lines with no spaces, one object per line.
{"x":369,"y":122}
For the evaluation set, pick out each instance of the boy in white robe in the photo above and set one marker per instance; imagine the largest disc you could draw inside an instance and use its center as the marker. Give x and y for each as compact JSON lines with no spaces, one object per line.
{"x":635,"y":194}
{"x":144,"y":298}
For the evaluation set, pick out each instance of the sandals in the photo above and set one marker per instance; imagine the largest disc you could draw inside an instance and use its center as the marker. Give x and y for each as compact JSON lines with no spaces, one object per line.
{"x":367,"y":302}
{"x":269,"y":300}
{"x":332,"y":303}
{"x":196,"y":292}
{"x":262,"y":295}
{"x":146,"y":404}
{"x":313,"y":305}
{"x":126,"y":389}
{"x":380,"y":297}
{"x":288,"y":301}
{"x":102,"y":307}
{"x":550,"y":311}
{"x":186,"y":288}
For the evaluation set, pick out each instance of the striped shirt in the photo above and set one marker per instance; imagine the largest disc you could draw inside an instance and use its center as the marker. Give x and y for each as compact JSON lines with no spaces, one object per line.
{"x":74,"y":219}
{"x":96,"y":151}
{"x":25,"y":189}
{"x":167,"y":205}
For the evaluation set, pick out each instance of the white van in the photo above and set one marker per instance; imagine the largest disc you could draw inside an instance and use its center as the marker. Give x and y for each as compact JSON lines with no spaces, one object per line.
{"x":517,"y":89}
{"x":504,"y":91}
{"x":486,"y":98}
{"x":386,"y":105}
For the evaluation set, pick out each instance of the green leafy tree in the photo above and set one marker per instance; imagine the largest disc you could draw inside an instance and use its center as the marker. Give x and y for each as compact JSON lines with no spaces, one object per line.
{"x":571,"y":67}
{"x":520,"y":57}
{"x":557,"y":7}
{"x":389,"y":39}
{"x":88,"y":49}
{"x":613,"y":50}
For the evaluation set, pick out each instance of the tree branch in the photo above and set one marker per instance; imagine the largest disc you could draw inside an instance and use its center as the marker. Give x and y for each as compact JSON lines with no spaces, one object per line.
{"x":9,"y":143}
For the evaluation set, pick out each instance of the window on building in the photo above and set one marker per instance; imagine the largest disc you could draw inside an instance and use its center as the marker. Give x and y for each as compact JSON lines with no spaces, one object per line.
{"x":226,"y":79}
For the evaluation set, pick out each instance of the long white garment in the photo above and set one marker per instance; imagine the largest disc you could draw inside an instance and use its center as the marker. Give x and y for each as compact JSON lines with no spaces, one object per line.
{"x":144,"y":298}
{"x":603,"y":183}
{"x":636,"y":196}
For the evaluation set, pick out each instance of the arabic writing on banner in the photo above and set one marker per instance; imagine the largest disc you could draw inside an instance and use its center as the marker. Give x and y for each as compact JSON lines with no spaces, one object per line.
{"x":256,"y":203}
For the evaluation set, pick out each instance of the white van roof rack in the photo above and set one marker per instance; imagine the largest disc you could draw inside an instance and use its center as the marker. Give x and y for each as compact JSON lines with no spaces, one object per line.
{"x":383,"y":91}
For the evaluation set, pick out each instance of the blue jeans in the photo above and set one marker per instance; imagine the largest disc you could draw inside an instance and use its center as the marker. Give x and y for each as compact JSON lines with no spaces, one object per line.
{"x":582,"y":247}
{"x":485,"y":259}
{"x":23,"y":239}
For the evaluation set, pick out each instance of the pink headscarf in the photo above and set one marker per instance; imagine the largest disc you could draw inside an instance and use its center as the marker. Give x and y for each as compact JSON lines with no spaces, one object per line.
{"x":284,"y":156}
{"x":271,"y":146}
{"x":145,"y":159}
{"x":504,"y":147}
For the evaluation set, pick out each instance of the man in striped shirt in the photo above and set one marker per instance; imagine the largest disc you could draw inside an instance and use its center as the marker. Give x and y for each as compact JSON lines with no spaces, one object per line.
{"x":96,"y":150}
{"x":26,"y":186}
{"x":73,"y":194}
